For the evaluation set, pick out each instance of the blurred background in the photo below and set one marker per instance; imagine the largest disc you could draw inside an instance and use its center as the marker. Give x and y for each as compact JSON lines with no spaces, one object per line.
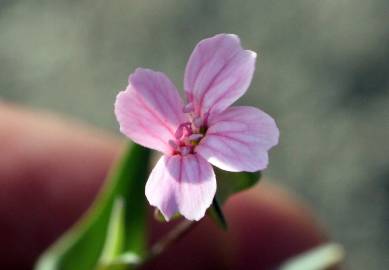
{"x":323,"y":73}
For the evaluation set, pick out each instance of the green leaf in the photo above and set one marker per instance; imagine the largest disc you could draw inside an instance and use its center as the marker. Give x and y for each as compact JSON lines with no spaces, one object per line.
{"x":113,"y":246}
{"x":230,"y":183}
{"x":320,"y":258}
{"x":124,"y":261}
{"x":217,"y":215}
{"x":80,"y":248}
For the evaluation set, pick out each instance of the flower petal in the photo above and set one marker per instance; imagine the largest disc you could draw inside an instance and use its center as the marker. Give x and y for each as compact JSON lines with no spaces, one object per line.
{"x":184,"y":184}
{"x":149,"y":110}
{"x":238,"y":139}
{"x":218,"y":72}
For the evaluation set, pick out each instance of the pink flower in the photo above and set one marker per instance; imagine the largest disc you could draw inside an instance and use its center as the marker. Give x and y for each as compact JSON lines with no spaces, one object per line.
{"x":205,"y":131}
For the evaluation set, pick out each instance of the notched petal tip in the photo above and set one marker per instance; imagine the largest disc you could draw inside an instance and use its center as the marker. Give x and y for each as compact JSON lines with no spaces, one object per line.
{"x":139,"y":71}
{"x":219,"y":71}
{"x":235,"y":38}
{"x":252,"y":53}
{"x":230,"y":36}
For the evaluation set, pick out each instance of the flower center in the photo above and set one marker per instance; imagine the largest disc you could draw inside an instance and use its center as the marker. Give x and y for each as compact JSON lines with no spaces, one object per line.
{"x":188,"y":134}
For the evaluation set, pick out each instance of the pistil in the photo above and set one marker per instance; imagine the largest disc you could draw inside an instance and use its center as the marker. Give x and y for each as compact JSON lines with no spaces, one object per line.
{"x":188,"y":134}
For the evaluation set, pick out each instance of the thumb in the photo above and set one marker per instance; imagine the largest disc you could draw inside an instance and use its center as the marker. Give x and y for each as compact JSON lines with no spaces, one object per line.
{"x":51,"y":169}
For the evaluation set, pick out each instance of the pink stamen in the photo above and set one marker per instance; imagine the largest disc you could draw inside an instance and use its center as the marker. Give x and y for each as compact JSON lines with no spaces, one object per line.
{"x":188,"y":108}
{"x":198,"y":122}
{"x":179,"y":132}
{"x":195,"y":137}
{"x":187,"y":126}
{"x":173,"y":144}
{"x":188,"y":129}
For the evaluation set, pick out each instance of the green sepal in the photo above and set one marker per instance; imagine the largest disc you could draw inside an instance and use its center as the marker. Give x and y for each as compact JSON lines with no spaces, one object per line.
{"x":216,"y":213}
{"x":229,"y":183}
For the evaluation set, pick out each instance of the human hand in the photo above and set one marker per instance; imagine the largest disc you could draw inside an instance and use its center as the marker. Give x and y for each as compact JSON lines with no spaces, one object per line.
{"x":51,"y":170}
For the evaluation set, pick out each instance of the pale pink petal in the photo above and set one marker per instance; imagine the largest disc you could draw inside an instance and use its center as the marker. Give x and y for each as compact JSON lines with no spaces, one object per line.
{"x":218,"y":72}
{"x":149,"y":110}
{"x":238,"y":139}
{"x":184,"y":184}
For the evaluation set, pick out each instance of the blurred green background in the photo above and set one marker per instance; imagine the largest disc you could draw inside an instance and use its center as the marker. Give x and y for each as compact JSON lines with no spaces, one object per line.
{"x":323,"y":73}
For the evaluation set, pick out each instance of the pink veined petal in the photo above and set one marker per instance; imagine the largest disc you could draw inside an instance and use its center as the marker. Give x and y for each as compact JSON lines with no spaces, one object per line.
{"x":149,"y":110}
{"x":238,"y":139}
{"x":218,"y":72}
{"x":184,"y":184}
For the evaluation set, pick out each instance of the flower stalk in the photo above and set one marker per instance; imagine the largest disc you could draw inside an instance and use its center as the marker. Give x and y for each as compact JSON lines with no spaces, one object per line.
{"x":176,"y":234}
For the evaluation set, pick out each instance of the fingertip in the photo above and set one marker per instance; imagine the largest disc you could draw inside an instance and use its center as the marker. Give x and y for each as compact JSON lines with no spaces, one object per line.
{"x":267,"y":225}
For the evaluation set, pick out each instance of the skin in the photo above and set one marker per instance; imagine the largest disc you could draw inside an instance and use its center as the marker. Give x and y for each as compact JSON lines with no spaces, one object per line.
{"x":51,"y":170}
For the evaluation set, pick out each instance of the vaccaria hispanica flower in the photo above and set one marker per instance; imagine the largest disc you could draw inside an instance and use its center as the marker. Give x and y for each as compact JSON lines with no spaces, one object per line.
{"x":203,"y":132}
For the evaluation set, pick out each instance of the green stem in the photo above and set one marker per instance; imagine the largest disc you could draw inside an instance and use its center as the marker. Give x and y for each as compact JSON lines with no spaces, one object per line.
{"x":173,"y":236}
